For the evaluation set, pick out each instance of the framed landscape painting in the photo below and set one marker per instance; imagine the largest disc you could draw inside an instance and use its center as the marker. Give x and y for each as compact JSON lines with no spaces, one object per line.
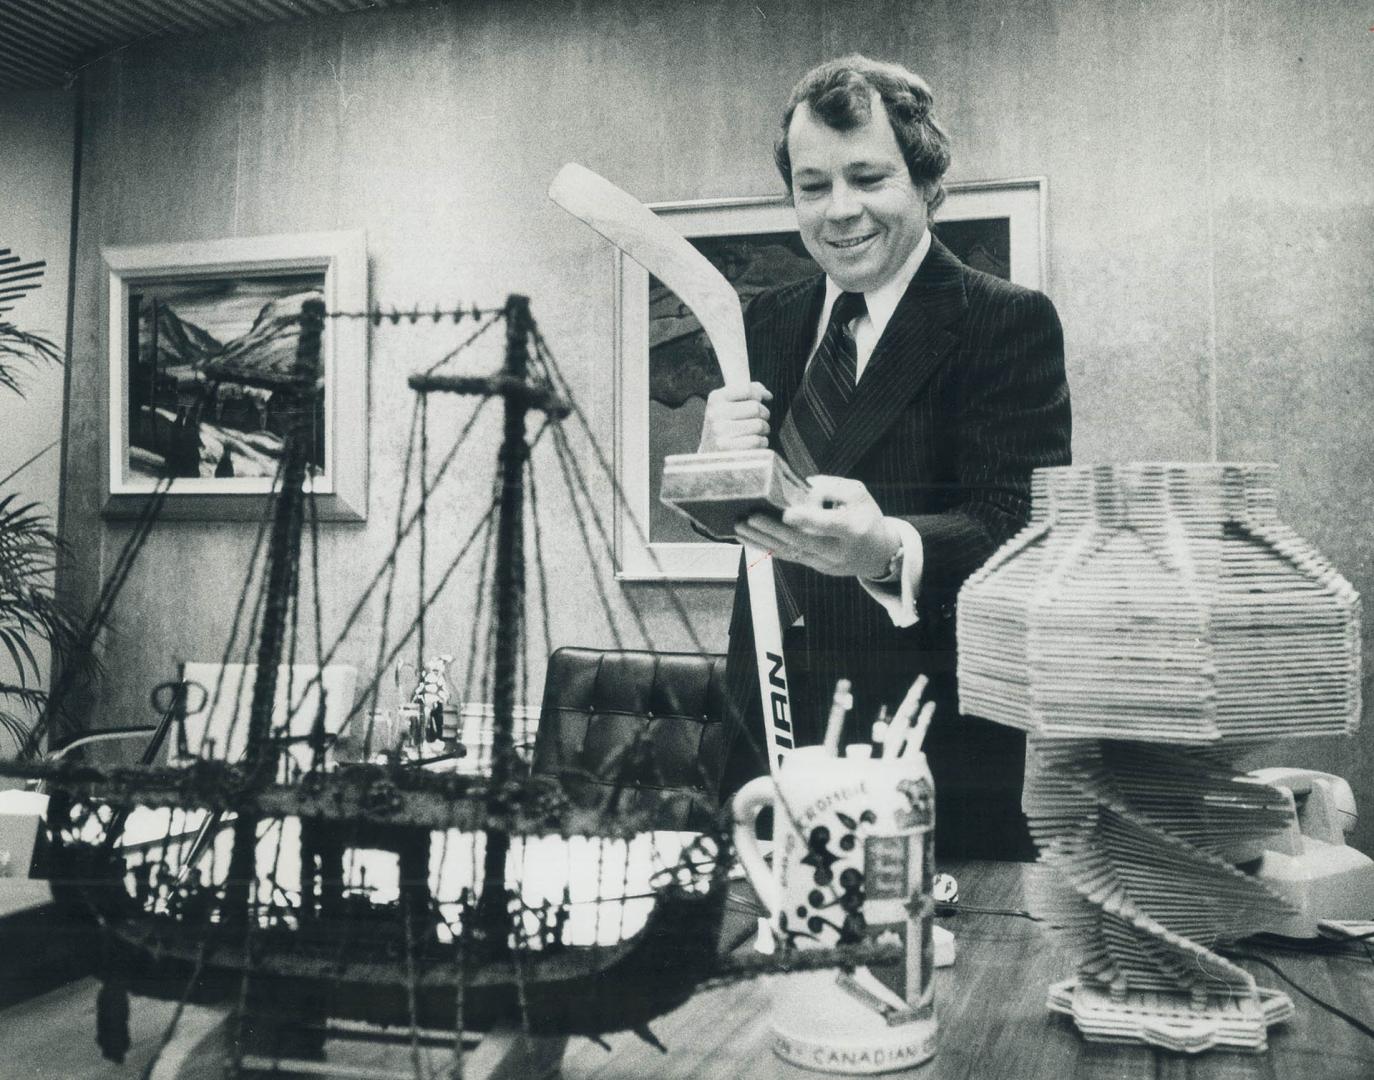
{"x":665,"y":366}
{"x":195,"y":332}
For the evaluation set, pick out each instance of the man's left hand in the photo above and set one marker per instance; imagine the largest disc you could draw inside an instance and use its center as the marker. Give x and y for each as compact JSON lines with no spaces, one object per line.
{"x":839,"y":530}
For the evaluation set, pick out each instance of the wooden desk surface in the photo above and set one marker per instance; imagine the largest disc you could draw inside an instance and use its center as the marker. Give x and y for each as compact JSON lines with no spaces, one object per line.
{"x":993,"y":1021}
{"x":991,"y":1008}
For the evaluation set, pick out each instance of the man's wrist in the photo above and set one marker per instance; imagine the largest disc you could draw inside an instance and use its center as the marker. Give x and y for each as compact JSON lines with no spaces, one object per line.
{"x":890,"y":553}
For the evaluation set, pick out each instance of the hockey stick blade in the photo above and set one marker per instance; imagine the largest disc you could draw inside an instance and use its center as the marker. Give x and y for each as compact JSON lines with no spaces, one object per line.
{"x":643,"y":236}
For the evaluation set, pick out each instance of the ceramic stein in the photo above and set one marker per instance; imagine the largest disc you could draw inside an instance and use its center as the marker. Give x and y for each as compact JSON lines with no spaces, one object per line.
{"x":852,"y":862}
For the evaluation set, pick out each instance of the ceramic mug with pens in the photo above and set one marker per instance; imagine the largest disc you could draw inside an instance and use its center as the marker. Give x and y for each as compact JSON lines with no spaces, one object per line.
{"x":852,"y":862}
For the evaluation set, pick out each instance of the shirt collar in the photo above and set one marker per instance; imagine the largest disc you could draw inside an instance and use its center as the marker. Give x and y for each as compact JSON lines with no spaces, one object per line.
{"x":882,"y":301}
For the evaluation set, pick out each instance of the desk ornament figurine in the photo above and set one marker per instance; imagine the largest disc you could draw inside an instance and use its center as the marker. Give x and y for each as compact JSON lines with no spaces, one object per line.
{"x":423,"y":708}
{"x":852,"y":861}
{"x":1152,"y":623}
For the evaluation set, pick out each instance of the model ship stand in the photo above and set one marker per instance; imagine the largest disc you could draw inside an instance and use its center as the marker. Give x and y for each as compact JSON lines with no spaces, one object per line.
{"x":1149,"y":625}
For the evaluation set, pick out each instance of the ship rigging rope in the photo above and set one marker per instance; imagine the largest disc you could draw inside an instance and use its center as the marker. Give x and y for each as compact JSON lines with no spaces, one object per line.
{"x":425,"y":604}
{"x":389,"y":566}
{"x":361,"y":604}
{"x":549,"y":366}
{"x":175,"y":1020}
{"x":497,"y":316}
{"x":486,"y":645}
{"x":478,"y":611}
{"x":393,"y":315}
{"x":84,"y":644}
{"x":369,"y":700}
{"x":317,"y":731}
{"x":576,"y":483}
{"x":293,"y":605}
{"x":576,"y":487}
{"x":540,"y":569}
{"x":427,"y":601}
{"x":423,"y":538}
{"x":237,"y":620}
{"x":583,"y":504}
{"x":589,"y":519}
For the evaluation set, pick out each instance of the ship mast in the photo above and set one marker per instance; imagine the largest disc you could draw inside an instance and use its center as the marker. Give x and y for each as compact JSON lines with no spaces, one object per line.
{"x":510,"y":544}
{"x":283,"y":558}
{"x":492,"y":918}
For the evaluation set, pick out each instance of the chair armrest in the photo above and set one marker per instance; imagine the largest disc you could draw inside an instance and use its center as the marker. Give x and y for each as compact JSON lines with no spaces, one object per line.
{"x":107,"y":735}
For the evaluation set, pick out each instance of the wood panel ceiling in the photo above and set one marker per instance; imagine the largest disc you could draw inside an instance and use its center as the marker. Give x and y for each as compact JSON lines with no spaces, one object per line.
{"x":43,"y":43}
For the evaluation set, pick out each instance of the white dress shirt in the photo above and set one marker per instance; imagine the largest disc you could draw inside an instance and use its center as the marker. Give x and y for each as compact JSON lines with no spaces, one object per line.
{"x":897,"y":597}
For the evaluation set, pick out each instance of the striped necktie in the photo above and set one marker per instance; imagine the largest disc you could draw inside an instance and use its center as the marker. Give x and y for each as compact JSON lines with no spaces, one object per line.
{"x":826,"y":390}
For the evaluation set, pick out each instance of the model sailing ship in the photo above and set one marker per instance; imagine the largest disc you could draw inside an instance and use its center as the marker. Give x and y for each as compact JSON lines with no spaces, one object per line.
{"x":267,"y":905}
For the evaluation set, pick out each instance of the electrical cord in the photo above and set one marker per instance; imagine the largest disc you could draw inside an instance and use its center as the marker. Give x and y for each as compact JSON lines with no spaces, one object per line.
{"x":1354,"y":1021}
{"x":943,"y":910}
{"x":1352,"y":948}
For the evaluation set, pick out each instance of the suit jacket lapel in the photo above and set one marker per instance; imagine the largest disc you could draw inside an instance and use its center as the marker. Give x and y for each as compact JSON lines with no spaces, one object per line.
{"x":787,"y":342}
{"x":914,"y":344}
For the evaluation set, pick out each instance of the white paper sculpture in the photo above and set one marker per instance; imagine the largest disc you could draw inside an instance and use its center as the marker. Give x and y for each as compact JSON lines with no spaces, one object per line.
{"x":1151,"y":623}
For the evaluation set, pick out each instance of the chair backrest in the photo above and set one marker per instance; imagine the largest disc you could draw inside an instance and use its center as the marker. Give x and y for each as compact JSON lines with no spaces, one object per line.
{"x":596,"y":703}
{"x":223,"y":721}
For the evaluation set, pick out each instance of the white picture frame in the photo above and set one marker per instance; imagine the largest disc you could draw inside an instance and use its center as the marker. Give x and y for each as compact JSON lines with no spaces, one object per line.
{"x":159,"y":300}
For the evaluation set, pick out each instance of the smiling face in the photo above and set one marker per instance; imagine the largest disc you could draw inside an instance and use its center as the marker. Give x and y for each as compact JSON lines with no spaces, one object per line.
{"x":859,"y":213}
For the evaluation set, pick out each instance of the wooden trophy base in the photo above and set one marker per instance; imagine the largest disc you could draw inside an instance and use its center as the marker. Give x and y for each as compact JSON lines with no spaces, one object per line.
{"x":721,"y":489}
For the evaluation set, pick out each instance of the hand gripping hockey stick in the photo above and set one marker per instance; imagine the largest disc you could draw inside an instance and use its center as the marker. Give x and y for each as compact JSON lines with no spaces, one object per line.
{"x":639,"y":233}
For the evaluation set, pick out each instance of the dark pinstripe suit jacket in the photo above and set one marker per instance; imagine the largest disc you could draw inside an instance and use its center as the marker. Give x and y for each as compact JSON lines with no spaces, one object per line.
{"x":963,"y":396}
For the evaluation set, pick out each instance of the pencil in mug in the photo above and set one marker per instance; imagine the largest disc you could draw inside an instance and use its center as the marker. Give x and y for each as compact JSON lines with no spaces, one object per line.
{"x":918,"y":736}
{"x":880,"y":730}
{"x":840,"y":704}
{"x":901,"y":722}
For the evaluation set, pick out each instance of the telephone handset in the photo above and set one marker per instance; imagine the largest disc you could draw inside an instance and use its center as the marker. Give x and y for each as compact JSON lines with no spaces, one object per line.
{"x":1324,"y":803}
{"x":1309,"y":864}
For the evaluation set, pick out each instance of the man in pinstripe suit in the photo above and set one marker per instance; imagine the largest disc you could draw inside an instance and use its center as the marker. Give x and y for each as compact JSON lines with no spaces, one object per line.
{"x":918,"y":395}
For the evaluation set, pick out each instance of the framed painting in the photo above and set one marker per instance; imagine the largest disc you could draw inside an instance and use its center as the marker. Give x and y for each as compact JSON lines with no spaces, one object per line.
{"x":665,"y":367}
{"x":193,"y":333}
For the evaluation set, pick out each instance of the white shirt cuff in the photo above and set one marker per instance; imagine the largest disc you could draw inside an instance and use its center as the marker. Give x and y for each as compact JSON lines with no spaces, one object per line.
{"x":898,"y":598}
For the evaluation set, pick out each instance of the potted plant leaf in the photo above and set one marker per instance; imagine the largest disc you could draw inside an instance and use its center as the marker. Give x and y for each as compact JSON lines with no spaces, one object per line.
{"x":31,"y":615}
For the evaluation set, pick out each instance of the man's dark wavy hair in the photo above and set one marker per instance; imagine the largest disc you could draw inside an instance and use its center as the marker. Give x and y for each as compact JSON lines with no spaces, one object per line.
{"x":839,"y":92}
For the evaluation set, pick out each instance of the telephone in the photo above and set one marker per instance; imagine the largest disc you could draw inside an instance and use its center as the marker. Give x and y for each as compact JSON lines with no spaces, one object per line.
{"x":1309,"y":864}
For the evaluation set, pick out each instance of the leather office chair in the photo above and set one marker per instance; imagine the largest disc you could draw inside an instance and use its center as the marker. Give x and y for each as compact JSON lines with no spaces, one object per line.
{"x":598,"y":703}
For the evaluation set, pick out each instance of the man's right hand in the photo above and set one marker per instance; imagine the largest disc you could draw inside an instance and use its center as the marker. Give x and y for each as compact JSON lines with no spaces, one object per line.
{"x":736,"y":419}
